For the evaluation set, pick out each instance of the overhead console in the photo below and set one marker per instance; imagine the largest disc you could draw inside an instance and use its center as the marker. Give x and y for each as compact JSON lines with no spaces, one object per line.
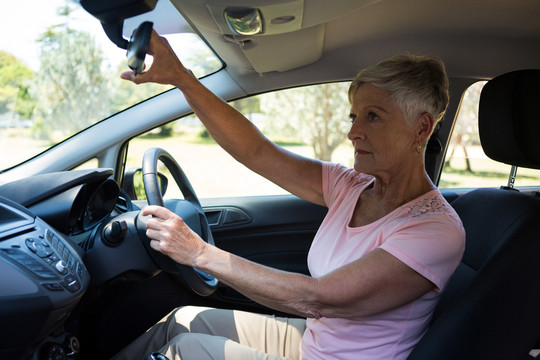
{"x":273,"y":35}
{"x":42,"y":277}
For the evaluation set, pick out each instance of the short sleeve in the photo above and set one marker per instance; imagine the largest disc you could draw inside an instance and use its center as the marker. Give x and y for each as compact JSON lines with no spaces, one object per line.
{"x":431,"y":245}
{"x":338,"y":179}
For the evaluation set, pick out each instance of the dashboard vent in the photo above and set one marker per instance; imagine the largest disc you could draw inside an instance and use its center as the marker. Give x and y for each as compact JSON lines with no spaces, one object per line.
{"x":123,"y":203}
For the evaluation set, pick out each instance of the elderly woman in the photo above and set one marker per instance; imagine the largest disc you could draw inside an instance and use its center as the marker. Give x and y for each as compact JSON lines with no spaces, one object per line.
{"x":381,"y":257}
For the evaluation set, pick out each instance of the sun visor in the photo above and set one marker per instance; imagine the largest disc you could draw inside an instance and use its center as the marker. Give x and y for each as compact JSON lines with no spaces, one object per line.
{"x":273,"y":53}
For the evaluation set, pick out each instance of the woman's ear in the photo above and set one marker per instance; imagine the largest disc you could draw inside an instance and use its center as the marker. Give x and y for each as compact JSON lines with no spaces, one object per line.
{"x":425,"y":127}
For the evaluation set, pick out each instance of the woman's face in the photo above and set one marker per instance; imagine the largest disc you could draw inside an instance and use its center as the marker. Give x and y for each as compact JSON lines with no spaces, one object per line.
{"x":384,"y":144}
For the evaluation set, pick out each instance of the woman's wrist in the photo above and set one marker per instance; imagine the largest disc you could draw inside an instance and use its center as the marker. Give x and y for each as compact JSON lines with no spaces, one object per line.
{"x":182,"y":78}
{"x":202,"y":259}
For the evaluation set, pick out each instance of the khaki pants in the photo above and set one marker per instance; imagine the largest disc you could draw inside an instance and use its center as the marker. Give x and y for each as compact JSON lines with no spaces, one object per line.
{"x":205,"y":333}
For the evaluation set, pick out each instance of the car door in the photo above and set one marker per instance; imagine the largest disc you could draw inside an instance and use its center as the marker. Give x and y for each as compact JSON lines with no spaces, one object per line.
{"x":275,"y":231}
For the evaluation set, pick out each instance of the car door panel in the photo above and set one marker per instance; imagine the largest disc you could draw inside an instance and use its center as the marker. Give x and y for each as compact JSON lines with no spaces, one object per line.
{"x":275,"y":231}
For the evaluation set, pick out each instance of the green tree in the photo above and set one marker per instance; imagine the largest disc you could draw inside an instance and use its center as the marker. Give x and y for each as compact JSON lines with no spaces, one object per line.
{"x":317,"y":114}
{"x":201,"y":60}
{"x":15,"y":78}
{"x":248,"y":106}
{"x":465,"y":131}
{"x":125,"y":93}
{"x":72,"y":84}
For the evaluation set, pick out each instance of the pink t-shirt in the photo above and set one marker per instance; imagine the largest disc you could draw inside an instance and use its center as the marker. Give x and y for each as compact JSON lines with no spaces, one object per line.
{"x":426,"y":234}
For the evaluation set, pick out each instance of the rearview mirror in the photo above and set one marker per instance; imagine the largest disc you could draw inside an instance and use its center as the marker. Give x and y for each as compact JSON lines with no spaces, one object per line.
{"x":138,"y":47}
{"x":111,"y":14}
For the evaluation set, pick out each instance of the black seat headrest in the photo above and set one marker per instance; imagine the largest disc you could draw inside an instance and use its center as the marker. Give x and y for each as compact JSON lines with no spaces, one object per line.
{"x":509,"y":118}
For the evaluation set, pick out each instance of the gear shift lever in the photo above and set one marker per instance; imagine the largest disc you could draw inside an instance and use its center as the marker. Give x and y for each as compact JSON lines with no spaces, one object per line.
{"x":156,"y":356}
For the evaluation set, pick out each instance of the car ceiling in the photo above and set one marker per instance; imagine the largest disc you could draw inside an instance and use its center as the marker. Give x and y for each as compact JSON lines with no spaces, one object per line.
{"x":478,"y":39}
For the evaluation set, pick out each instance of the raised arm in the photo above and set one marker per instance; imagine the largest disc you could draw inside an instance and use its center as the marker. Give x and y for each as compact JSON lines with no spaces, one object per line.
{"x":231,"y":130}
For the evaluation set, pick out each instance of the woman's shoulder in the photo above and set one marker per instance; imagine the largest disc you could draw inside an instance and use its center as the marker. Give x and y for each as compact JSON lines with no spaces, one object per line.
{"x":342,"y":174}
{"x":339,"y":180}
{"x":431,"y":204}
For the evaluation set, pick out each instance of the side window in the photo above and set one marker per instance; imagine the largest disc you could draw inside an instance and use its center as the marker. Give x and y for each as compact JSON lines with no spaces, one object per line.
{"x":311,"y":121}
{"x":466,"y":165}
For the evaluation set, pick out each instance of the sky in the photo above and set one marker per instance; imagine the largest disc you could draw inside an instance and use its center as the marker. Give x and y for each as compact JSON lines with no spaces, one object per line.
{"x":21,"y":22}
{"x":19,"y":37}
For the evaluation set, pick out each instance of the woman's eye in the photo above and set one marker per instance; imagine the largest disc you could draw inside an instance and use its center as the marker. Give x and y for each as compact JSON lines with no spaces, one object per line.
{"x":372,"y":116}
{"x":352,"y":117}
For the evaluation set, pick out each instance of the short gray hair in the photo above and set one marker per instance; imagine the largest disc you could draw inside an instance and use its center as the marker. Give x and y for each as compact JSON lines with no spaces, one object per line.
{"x":417,"y":84}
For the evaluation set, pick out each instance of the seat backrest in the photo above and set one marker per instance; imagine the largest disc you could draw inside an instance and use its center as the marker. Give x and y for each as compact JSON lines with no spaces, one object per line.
{"x":490,"y":308}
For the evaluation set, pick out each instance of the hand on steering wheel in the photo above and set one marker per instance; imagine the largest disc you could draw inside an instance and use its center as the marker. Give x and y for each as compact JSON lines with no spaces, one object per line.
{"x":190,"y":215}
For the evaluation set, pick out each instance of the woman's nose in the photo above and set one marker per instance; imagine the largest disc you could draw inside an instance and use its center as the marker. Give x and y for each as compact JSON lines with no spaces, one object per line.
{"x":356,"y":131}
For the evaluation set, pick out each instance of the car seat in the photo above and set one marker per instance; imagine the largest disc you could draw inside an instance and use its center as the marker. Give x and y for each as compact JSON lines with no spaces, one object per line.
{"x":490,"y":308}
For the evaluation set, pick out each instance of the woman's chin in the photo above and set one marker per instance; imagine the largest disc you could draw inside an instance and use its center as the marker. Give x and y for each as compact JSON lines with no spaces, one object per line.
{"x":359,"y":167}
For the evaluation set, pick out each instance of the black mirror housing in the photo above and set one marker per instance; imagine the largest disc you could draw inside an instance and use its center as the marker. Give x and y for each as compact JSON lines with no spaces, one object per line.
{"x":111,"y":14}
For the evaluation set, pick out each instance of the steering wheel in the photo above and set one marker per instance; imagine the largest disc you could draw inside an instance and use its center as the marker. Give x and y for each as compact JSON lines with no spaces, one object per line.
{"x":190,"y":210}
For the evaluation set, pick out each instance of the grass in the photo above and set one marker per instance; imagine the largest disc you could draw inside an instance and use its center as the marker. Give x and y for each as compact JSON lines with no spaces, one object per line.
{"x":485,"y":173}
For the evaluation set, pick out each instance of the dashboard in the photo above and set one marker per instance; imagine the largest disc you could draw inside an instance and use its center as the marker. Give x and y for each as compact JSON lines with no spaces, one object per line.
{"x":44,"y":223}
{"x":42,"y":276}
{"x":72,"y":202}
{"x":66,"y":238}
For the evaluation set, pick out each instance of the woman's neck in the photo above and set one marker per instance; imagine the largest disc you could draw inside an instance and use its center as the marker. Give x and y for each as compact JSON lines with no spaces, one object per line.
{"x":400,"y":188}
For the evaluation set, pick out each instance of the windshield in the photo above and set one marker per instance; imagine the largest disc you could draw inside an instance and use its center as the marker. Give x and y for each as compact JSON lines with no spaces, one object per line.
{"x":59,"y":73}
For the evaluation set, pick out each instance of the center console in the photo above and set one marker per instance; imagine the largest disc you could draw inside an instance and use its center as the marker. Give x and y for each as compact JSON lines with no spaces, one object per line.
{"x":42,"y":278}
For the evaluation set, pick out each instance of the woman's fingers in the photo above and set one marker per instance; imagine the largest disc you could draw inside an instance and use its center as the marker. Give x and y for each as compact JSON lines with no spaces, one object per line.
{"x":171,"y":236}
{"x":154,"y":244}
{"x":163,"y":55}
{"x":157,"y":212}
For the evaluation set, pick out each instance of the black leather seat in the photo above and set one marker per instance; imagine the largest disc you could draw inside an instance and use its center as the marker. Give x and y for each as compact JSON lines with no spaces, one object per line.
{"x":491,"y":306}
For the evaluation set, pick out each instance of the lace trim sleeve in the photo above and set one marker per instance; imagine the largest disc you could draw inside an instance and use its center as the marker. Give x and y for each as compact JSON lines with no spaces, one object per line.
{"x":433,"y":204}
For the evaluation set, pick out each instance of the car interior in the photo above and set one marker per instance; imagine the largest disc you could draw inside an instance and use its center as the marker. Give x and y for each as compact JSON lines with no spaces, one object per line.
{"x":487,"y":294}
{"x":78,"y":277}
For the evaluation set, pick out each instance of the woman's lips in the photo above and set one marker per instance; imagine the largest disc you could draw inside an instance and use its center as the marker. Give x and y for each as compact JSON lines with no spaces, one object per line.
{"x":361,"y":152}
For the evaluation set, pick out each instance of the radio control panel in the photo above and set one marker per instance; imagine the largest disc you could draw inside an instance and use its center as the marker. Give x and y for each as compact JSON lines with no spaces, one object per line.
{"x":45,"y":256}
